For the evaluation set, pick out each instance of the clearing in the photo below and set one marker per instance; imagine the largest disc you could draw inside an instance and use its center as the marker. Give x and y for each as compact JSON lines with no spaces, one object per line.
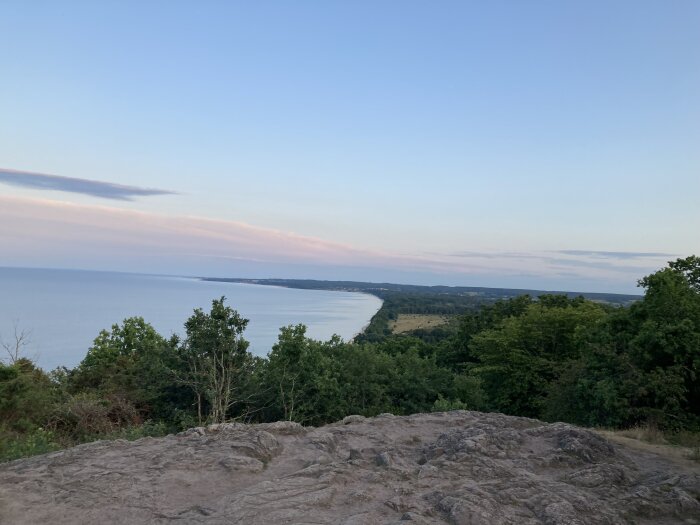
{"x":409,"y":322}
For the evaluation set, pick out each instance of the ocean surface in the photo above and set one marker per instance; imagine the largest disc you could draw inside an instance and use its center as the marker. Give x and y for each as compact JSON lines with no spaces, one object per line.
{"x":64,"y":310}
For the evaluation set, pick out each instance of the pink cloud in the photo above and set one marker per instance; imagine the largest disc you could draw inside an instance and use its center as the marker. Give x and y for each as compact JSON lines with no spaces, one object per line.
{"x":79,"y":235}
{"x":57,"y":225}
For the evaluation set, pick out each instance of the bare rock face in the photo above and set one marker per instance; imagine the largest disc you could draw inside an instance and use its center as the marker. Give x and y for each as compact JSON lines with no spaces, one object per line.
{"x":464,"y":468}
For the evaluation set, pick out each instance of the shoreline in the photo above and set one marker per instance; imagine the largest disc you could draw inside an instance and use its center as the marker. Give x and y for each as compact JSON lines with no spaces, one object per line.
{"x":66,"y":310}
{"x":287,"y":287}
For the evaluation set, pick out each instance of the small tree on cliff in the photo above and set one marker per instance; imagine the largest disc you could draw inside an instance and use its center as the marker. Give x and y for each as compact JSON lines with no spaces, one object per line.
{"x":15,"y":347}
{"x":216,"y":358}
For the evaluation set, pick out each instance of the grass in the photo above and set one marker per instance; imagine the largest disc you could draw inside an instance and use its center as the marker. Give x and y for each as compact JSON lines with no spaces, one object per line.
{"x":646,"y":433}
{"x":687,"y":441}
{"x":408,"y":322}
{"x":41,"y":441}
{"x":690,"y":440}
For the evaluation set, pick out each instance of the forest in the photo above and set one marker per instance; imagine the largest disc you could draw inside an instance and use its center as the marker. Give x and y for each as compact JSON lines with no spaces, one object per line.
{"x":554,"y":357}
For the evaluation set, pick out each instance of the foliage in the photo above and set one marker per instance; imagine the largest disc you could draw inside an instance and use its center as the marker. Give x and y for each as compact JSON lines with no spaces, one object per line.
{"x":554,"y":357}
{"x":300,"y":377}
{"x":519,"y":359}
{"x":664,"y":344}
{"x":130,"y":362}
{"x":642,"y":364}
{"x":87,"y":416}
{"x":216,"y":358}
{"x":445,"y":405}
{"x":38,"y":441}
{"x":26,"y":395}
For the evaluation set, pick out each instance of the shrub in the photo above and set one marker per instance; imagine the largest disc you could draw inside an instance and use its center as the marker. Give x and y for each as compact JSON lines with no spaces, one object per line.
{"x":40,"y":441}
{"x":445,"y":405}
{"x":86,"y":416}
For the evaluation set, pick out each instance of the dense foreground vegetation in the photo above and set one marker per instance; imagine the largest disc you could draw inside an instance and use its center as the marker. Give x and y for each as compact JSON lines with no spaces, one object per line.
{"x":552,"y":357}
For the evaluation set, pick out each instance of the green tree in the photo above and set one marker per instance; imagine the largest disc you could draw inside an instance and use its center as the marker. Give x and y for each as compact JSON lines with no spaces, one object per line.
{"x":418,"y":382}
{"x":216,"y":360}
{"x":664,"y":343}
{"x":520,"y":358}
{"x":285,"y":369}
{"x":642,"y":364}
{"x":131,"y":362}
{"x":366,"y":375}
{"x":26,"y":396}
{"x":301,"y":378}
{"x":113,"y":361}
{"x":456,"y":353}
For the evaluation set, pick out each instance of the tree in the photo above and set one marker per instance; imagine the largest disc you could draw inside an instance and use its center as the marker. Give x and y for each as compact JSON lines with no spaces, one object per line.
{"x":664,"y":343}
{"x":642,"y":364}
{"x":300,"y":378}
{"x":15,"y":348}
{"x":284,"y":370}
{"x":521,"y":357}
{"x":688,"y":269}
{"x":457,"y":354}
{"x":26,"y":396}
{"x":366,"y":375}
{"x":131,"y":365}
{"x":417,"y":382}
{"x":216,"y":359}
{"x":117,"y":357}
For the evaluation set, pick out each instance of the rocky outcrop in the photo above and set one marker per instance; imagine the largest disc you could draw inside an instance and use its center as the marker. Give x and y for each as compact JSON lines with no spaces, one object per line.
{"x":464,"y":468}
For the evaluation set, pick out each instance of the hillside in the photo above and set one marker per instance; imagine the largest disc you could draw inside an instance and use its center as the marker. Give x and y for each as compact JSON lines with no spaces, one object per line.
{"x":456,"y":467}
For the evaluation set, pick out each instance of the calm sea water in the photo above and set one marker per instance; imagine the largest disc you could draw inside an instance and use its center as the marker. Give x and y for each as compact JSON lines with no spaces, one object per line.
{"x":65,"y":309}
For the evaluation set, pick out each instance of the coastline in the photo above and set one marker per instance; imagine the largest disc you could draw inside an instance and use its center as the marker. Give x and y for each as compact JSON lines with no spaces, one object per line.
{"x":251,"y":282}
{"x":65,"y":310}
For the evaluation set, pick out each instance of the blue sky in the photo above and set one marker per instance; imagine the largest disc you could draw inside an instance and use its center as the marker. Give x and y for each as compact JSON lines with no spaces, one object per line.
{"x":532,"y":144}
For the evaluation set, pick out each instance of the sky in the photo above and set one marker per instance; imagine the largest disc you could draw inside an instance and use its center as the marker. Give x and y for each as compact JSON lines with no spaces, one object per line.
{"x":549,"y":145}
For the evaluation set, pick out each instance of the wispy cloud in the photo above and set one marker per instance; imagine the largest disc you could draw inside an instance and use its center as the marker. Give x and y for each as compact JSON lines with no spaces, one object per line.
{"x":105,"y":190}
{"x":89,"y":236}
{"x":614,"y":255}
{"x":602,"y":265}
{"x":87,"y":231}
{"x":47,"y":229}
{"x":491,"y":255}
{"x":572,"y":255}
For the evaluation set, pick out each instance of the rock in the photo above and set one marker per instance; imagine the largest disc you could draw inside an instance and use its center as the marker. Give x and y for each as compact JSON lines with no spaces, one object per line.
{"x":196,"y":431}
{"x":382,"y":459}
{"x":349,"y":420}
{"x":455,"y":467}
{"x":601,"y":476}
{"x":226,"y":427}
{"x":283,"y":427}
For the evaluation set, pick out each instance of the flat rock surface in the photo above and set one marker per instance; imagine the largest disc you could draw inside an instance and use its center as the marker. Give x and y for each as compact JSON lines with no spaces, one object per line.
{"x":464,"y":468}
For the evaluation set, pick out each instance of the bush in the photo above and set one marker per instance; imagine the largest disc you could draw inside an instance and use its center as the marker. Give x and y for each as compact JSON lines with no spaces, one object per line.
{"x":40,"y":441}
{"x":446,"y":405}
{"x":86,"y":416}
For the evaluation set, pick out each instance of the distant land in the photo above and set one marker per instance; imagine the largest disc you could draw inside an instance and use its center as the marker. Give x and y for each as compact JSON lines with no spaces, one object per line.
{"x":428,"y":312}
{"x":383,"y":290}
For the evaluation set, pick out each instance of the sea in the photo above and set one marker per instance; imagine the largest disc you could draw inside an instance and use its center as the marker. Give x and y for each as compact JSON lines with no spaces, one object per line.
{"x":62,"y":311}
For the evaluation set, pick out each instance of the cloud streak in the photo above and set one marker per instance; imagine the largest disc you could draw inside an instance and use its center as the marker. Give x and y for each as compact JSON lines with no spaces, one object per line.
{"x":45,"y":228}
{"x":611,"y":266}
{"x":615,"y":255}
{"x":62,"y":234}
{"x":104,"y":190}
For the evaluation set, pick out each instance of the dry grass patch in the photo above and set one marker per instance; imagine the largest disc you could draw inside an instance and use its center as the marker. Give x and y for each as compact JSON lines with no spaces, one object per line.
{"x":647,"y":433}
{"x":409,"y":322}
{"x":677,"y":446}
